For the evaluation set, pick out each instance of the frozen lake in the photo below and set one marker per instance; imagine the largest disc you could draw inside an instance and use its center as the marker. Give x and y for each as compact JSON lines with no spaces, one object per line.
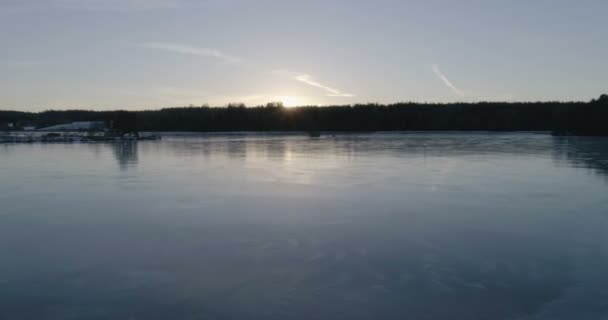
{"x":271,"y":226}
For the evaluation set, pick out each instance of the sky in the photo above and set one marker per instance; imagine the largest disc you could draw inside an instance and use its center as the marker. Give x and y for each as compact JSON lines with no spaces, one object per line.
{"x":149,"y":54}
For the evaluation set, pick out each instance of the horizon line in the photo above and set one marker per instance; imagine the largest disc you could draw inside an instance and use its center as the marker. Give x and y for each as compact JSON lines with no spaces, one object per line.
{"x":280,"y":104}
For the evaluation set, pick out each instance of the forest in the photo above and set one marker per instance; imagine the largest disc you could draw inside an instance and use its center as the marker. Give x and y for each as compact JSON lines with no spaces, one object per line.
{"x":563,"y":118}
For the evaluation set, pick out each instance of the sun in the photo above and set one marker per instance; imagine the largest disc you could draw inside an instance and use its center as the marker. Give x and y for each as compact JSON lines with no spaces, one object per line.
{"x":291,"y":101}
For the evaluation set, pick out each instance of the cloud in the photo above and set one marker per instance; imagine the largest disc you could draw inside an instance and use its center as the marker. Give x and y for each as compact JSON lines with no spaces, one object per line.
{"x":447,"y":81}
{"x":190,"y":50}
{"x":331,"y":92}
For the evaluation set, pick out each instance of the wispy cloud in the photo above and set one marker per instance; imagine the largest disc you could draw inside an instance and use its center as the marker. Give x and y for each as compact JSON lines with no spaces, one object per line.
{"x":331,"y":92}
{"x":447,"y":81}
{"x":191,"y":50}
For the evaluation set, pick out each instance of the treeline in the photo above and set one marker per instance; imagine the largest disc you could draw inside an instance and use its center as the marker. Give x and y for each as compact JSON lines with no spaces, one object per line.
{"x":581,"y":118}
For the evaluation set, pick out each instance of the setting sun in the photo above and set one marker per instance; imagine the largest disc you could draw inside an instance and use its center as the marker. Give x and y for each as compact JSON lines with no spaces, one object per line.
{"x":291,"y":101}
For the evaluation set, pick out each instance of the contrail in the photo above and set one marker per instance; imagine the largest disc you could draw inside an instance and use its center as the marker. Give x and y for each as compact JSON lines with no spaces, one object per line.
{"x":185,"y":49}
{"x":331,"y":92}
{"x":447,"y":81}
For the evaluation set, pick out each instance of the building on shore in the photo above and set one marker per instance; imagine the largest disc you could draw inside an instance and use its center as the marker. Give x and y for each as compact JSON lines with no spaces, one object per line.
{"x":77,"y":126}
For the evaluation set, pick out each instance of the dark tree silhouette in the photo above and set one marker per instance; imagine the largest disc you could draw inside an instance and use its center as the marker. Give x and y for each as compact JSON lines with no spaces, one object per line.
{"x":123,"y":122}
{"x":572,"y":118}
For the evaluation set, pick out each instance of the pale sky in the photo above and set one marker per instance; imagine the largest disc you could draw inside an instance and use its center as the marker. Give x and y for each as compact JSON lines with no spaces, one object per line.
{"x":148,"y":54}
